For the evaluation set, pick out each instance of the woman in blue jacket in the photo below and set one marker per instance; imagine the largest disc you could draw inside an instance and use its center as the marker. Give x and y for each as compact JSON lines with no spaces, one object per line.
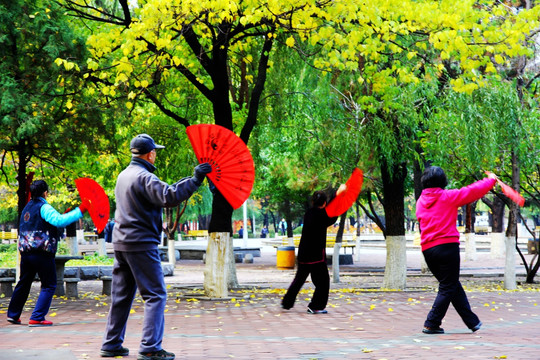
{"x":38,"y":241}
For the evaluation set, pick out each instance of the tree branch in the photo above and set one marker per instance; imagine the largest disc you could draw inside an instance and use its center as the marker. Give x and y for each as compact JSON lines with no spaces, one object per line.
{"x":181,"y":120}
{"x":257,"y":91}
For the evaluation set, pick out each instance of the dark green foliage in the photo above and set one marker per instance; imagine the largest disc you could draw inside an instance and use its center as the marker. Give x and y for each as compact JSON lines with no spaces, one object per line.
{"x":47,"y":120}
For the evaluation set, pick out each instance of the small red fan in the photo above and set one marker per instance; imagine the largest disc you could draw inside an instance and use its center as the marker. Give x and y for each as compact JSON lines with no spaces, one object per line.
{"x":511,"y":193}
{"x":344,"y":200}
{"x":99,"y":207}
{"x":233,"y":171}
{"x":29,"y":179}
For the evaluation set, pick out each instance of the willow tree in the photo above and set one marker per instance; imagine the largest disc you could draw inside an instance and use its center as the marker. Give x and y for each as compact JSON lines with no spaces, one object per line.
{"x":296,"y":138}
{"x":399,"y":49}
{"x":476,"y":133}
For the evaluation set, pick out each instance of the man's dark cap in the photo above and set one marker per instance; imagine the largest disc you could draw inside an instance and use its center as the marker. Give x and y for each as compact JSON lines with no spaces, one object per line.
{"x":143,"y":144}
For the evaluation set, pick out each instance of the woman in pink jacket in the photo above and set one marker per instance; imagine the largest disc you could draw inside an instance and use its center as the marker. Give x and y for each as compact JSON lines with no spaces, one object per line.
{"x":436,"y":211}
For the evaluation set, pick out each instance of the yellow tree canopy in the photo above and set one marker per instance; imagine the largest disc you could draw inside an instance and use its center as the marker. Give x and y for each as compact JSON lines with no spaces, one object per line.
{"x":222,"y":49}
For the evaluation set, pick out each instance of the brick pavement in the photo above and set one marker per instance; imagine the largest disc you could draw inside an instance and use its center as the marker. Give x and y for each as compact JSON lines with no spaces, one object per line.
{"x":363,"y":321}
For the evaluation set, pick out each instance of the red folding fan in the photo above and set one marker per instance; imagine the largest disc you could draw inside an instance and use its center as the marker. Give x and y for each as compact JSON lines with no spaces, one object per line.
{"x":29,"y":179}
{"x":344,"y":200}
{"x":97,"y":198}
{"x":233,"y":172}
{"x":511,"y":193}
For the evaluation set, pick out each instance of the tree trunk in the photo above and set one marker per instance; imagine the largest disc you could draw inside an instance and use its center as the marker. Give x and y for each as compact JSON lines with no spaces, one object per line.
{"x":357,"y":207}
{"x":498,"y":215}
{"x":335,"y":262}
{"x":204,"y":221}
{"x":22,"y":195}
{"x":417,"y":176}
{"x":497,"y":249}
{"x":424,"y":268}
{"x":216,"y":272}
{"x":337,"y":248}
{"x":232,"y":280}
{"x":358,"y":231}
{"x":468,"y":235}
{"x":510,"y":264}
{"x":511,"y":233}
{"x":220,"y":229}
{"x":470,"y":246}
{"x":288,"y":218}
{"x":171,"y":251}
{"x":395,"y":273}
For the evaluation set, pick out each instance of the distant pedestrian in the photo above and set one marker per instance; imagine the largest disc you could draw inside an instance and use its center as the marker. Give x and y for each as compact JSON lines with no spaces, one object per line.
{"x":38,"y":240}
{"x":241,"y":232}
{"x":264,"y":231}
{"x":283,"y":227}
{"x":312,"y":256}
{"x":436,"y":211}
{"x":185,"y":228}
{"x":140,"y":199}
{"x":107,"y":232}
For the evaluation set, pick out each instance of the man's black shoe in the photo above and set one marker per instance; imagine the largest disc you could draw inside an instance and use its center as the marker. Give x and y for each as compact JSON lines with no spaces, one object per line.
{"x":157,"y":355}
{"x":112,"y":353}
{"x":428,"y":330}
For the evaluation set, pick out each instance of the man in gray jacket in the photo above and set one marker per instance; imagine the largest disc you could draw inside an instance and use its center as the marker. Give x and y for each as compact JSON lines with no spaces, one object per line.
{"x":140,"y":198}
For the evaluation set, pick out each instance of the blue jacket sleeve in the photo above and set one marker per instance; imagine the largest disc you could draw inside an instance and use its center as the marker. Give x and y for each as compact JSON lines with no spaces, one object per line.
{"x":53,"y":217}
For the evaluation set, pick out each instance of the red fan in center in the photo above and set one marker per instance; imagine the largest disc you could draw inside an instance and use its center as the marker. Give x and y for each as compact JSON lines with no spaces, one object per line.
{"x":233,"y":172}
{"x":344,"y":200}
{"x":99,"y":201}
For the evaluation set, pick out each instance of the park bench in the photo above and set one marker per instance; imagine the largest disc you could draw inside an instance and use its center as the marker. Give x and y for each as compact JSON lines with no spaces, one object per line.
{"x":346,"y":242}
{"x":71,"y":287}
{"x":72,"y":290}
{"x":196,"y":235}
{"x":6,"y":286}
{"x":107,"y":285}
{"x":9,"y":236}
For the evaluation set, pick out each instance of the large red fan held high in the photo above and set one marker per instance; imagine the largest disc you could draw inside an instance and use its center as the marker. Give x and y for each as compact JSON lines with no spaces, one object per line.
{"x":94,"y":194}
{"x":345,"y":199}
{"x":233,"y":171}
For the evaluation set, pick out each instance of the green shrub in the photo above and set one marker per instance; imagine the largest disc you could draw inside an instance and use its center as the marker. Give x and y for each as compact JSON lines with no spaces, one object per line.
{"x":8,"y":255}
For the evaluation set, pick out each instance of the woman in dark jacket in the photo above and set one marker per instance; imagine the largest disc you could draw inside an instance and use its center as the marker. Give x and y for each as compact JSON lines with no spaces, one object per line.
{"x":312,"y":256}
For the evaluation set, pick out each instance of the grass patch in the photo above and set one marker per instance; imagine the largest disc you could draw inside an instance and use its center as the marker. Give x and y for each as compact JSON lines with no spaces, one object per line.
{"x":8,"y":256}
